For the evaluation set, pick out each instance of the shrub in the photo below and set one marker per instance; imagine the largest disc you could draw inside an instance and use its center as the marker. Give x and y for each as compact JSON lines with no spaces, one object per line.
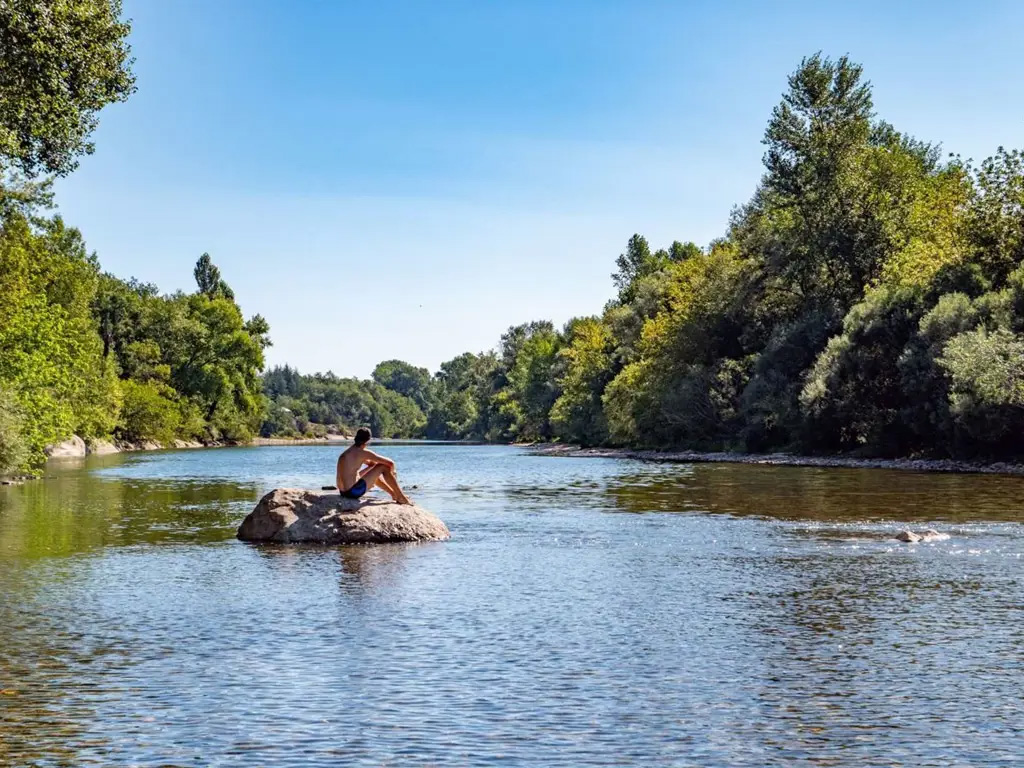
{"x":14,"y":453}
{"x":148,"y":412}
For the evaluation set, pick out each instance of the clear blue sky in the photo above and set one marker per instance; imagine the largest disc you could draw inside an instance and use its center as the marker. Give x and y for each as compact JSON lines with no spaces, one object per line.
{"x":407,"y":179}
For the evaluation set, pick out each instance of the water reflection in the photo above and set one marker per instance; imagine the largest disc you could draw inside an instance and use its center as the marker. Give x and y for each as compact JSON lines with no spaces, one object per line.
{"x":76,"y":512}
{"x":811,"y":493}
{"x":775,"y":623}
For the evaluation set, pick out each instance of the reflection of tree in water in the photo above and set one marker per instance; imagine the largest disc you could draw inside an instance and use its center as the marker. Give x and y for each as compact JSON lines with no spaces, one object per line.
{"x":811,"y":493}
{"x":51,"y":675}
{"x":77,"y":512}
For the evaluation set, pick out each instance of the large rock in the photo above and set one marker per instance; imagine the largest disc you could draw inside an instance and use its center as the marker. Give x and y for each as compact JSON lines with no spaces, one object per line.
{"x":294,"y":515}
{"x":102,"y":448}
{"x":72,"y":448}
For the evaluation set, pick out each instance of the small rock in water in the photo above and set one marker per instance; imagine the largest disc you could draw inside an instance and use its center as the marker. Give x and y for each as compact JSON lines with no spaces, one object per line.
{"x":929,"y":535}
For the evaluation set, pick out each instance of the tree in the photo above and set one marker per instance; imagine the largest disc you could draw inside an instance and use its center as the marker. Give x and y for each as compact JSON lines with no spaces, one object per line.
{"x":62,"y":63}
{"x":995,"y":222}
{"x":405,"y":379}
{"x":51,"y":360}
{"x":577,"y":415}
{"x":816,"y":137}
{"x":638,"y":262}
{"x":525,"y":388}
{"x":209,"y":281}
{"x":14,"y":453}
{"x":986,"y":370}
{"x":854,"y":393}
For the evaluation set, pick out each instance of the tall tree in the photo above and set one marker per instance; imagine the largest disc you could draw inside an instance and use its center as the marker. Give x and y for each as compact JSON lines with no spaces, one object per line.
{"x":63,"y":61}
{"x":208,"y":279}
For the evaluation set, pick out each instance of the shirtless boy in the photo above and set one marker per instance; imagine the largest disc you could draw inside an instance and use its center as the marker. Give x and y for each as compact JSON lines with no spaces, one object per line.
{"x":354,"y":480}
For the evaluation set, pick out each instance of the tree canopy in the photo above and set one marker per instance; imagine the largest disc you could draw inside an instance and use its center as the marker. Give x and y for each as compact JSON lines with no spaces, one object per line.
{"x":63,"y":61}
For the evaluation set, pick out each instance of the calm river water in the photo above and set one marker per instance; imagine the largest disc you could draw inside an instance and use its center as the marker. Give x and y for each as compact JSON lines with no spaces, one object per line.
{"x":585,"y":612}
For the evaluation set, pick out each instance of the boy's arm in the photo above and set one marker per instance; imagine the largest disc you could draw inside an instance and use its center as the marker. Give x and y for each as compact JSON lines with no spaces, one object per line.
{"x":373,"y":458}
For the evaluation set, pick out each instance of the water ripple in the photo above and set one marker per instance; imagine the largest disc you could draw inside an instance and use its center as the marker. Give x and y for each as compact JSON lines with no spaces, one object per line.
{"x":729,"y":619}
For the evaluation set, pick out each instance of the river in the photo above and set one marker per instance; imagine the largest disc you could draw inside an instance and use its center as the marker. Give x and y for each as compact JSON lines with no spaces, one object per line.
{"x":585,"y":612}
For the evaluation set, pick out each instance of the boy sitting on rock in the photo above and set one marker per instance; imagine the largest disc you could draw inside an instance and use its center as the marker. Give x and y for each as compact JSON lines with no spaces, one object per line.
{"x":354,"y":479}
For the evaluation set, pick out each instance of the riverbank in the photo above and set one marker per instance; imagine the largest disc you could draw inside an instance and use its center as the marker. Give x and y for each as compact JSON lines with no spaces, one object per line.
{"x":299,"y":440}
{"x":780,"y":459}
{"x":77,"y":448}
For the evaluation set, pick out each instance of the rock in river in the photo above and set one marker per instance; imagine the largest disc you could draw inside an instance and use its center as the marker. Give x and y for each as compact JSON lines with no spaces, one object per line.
{"x":294,"y":515}
{"x":72,"y":448}
{"x":913,"y":538}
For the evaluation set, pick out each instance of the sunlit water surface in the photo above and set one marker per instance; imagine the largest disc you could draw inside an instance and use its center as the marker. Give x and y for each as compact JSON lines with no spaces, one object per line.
{"x":585,"y":612}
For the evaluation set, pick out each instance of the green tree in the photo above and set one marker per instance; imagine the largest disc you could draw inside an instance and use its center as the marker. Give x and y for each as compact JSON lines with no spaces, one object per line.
{"x":63,"y":61}
{"x":14,"y":452}
{"x":209,"y":281}
{"x":986,"y":370}
{"x":586,"y":363}
{"x":995,"y":222}
{"x":854,"y":394}
{"x":50,"y":355}
{"x":150,"y":412}
{"x":405,"y":379}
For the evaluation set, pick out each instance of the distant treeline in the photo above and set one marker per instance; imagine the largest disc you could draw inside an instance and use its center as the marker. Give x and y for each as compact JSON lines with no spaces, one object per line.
{"x":869,"y":298}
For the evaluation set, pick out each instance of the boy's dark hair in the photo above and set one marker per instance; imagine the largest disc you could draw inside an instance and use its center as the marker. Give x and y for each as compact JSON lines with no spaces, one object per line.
{"x":363,"y":436}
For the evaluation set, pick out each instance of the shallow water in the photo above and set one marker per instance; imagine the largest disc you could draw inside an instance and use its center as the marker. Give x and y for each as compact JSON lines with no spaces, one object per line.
{"x":585,"y":612}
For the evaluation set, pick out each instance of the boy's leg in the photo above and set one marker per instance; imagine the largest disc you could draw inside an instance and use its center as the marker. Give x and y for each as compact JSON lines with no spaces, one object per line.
{"x":394,"y":488}
{"x":372,"y":475}
{"x":382,"y":476}
{"x":382,"y":482}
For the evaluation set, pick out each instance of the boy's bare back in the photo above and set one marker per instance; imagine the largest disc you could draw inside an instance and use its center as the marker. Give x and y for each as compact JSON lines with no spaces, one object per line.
{"x":349,"y":464}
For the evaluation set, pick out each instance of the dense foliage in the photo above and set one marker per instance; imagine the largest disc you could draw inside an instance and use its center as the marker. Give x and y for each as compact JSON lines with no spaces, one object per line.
{"x":868,"y":298}
{"x":190,"y":363}
{"x":63,"y":61}
{"x":321,"y":403}
{"x":82,"y":352}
